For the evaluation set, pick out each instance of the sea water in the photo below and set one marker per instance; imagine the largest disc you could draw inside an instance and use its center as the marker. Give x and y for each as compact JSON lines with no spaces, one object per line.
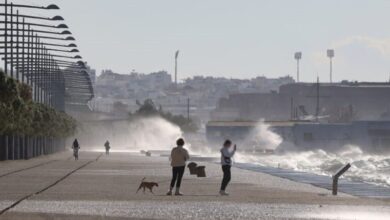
{"x":158,"y":134}
{"x":366,"y":167}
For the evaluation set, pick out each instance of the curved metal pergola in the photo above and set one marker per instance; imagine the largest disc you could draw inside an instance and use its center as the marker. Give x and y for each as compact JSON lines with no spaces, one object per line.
{"x":43,"y":56}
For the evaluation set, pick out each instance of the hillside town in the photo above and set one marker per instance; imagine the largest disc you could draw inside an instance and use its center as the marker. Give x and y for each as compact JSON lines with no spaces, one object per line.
{"x":119,"y":93}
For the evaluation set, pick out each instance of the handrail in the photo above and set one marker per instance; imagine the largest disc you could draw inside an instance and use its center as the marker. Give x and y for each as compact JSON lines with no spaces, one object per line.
{"x":336,"y":177}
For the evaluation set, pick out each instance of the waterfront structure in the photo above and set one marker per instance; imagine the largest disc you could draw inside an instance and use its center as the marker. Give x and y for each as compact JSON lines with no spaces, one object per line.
{"x":341,"y":102}
{"x":203,"y":92}
{"x":371,"y":136}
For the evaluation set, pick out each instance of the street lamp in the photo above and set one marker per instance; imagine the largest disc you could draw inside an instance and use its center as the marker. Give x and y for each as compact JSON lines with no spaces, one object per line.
{"x":55,"y":18}
{"x":330,"y":54}
{"x":42,"y":77}
{"x":298,"y":57}
{"x":56,"y":79}
{"x":51,"y":75}
{"x":12,"y":15}
{"x":5,"y":22}
{"x":49,"y":7}
{"x":176,"y":57}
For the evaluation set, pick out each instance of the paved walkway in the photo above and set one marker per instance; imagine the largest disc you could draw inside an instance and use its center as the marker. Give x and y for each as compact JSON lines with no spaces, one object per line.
{"x":57,"y":187}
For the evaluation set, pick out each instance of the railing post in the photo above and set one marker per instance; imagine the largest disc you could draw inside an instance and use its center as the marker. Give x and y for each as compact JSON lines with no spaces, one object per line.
{"x":336,"y":177}
{"x":2,"y":148}
{"x":13,"y":147}
{"x":6,"y":147}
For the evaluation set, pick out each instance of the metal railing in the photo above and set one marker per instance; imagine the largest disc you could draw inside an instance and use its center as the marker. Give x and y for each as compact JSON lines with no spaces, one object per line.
{"x":336,"y":177}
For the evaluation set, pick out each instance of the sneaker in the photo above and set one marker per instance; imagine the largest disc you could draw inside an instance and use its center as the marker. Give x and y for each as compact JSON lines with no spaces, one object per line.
{"x":223,"y":193}
{"x":178,"y":193}
{"x":169,"y":193}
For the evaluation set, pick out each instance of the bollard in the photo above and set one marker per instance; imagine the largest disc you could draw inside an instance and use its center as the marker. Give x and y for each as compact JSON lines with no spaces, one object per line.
{"x":200,"y":171}
{"x":148,"y":154}
{"x":336,"y":177}
{"x":192,"y":167}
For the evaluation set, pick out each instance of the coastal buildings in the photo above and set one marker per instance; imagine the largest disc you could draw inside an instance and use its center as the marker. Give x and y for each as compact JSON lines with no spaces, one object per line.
{"x":370,"y":136}
{"x":339,"y":102}
{"x":200,"y":94}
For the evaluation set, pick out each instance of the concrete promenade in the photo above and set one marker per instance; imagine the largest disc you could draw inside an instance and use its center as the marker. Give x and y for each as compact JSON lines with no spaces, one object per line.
{"x":57,"y":187}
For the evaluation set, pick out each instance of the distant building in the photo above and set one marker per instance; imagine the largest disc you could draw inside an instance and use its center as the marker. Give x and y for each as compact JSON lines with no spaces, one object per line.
{"x":371,"y":136}
{"x":202,"y":92}
{"x":362,"y":101}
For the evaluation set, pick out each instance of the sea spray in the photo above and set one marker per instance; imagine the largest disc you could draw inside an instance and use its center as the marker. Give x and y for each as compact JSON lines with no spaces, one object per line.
{"x":262,"y":138}
{"x":156,"y":133}
{"x":148,"y":133}
{"x":152,"y":133}
{"x":365,"y":167}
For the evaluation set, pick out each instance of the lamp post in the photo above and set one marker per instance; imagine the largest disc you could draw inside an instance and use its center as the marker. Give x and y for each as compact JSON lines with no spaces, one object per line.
{"x":176,"y":58}
{"x":27,"y":57}
{"x":38,"y":66}
{"x":298,"y":57}
{"x":6,"y":5}
{"x":49,"y":7}
{"x":5,"y":36}
{"x":12,"y":39}
{"x":330,"y":54}
{"x":51,"y":75}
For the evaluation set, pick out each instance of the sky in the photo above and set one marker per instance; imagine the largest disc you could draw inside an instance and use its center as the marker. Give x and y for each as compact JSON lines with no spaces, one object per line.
{"x":232,"y":38}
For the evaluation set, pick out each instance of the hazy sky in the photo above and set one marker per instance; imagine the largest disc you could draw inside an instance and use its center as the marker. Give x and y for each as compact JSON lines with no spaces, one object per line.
{"x":233,"y":38}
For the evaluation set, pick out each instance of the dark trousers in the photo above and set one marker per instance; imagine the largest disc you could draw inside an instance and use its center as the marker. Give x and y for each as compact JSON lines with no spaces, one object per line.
{"x":177,"y":175}
{"x":76,"y":154}
{"x":227,"y":176}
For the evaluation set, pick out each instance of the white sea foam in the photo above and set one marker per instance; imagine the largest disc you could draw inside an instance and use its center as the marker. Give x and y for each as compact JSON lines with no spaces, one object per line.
{"x":365,"y":167}
{"x":158,"y":134}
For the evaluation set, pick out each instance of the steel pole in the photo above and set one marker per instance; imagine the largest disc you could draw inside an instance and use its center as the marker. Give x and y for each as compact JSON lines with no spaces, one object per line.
{"x":29,"y":57}
{"x":175,"y":71}
{"x":6,"y":37}
{"x":331,"y":70}
{"x":23,"y":50}
{"x":12,"y":41}
{"x":297,"y":70}
{"x":47,"y":77}
{"x":35,"y":69}
{"x":42,"y":72}
{"x":17,"y":45}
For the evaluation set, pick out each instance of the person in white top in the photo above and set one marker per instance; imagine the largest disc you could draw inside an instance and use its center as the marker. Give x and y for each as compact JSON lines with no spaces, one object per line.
{"x":179,"y":157}
{"x":226,"y":162}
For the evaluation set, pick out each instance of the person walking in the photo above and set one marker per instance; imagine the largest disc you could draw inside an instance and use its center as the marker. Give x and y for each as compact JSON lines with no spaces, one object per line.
{"x":179,"y":156}
{"x":76,"y":148}
{"x":107,"y":146}
{"x":226,"y":162}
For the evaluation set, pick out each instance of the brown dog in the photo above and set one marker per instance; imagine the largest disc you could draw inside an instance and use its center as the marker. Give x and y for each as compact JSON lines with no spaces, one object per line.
{"x":148,"y":185}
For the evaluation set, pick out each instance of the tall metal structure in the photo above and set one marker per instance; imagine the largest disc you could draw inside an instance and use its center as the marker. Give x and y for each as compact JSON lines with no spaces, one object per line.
{"x":318,"y":99}
{"x":330,"y":54}
{"x":36,"y":51}
{"x":176,"y":58}
{"x":298,"y":57}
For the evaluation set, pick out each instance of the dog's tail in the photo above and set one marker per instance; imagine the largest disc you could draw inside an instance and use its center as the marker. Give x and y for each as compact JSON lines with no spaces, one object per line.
{"x":143,"y":179}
